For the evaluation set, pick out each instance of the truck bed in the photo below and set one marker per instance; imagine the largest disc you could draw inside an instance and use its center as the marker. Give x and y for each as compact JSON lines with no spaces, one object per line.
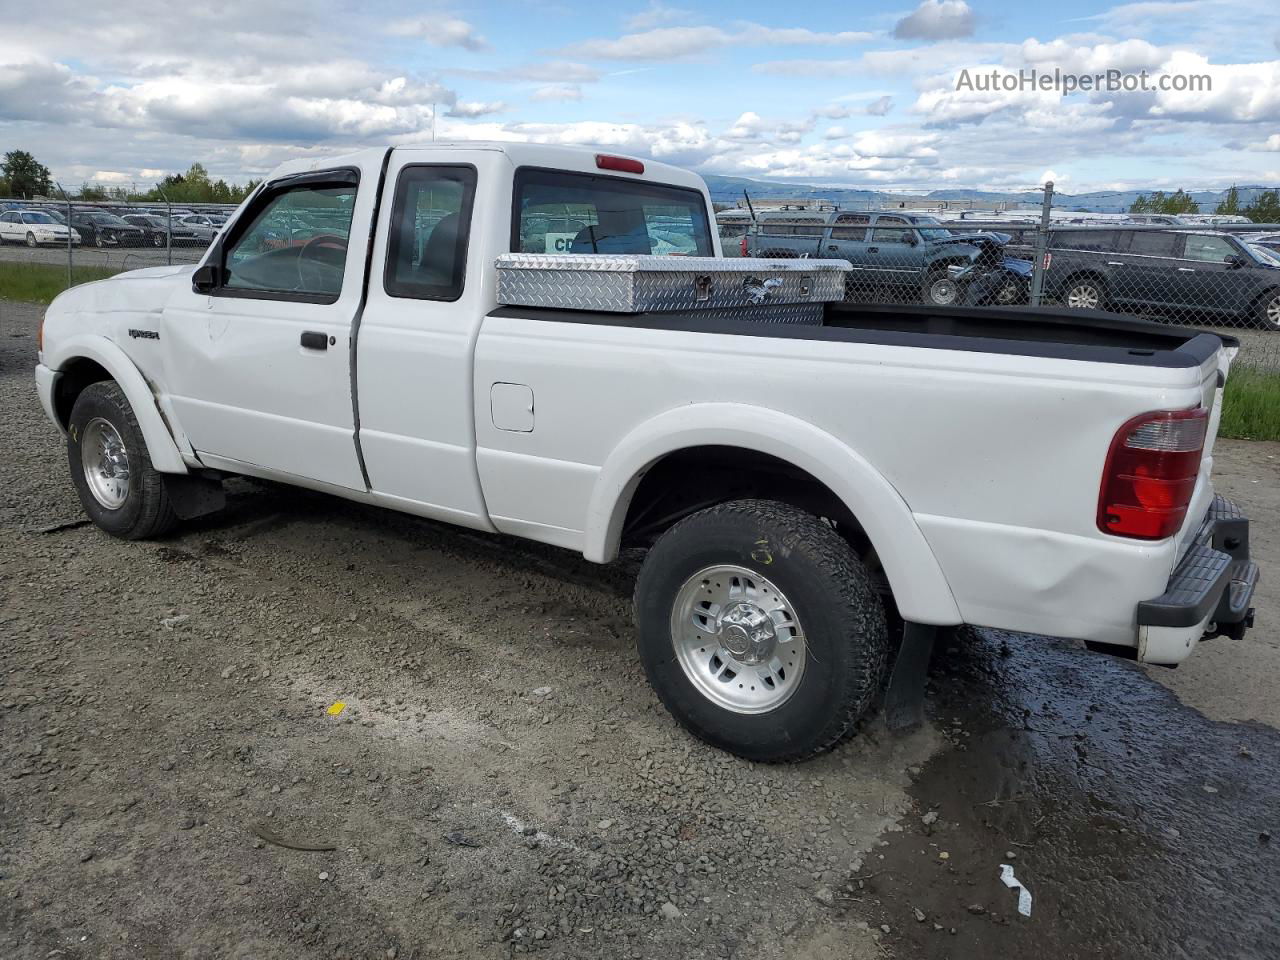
{"x":1052,"y":332}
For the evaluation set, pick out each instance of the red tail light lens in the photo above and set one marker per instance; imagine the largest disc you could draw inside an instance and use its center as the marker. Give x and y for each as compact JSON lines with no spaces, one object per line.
{"x":742,"y":245}
{"x":1151,"y":474}
{"x":607,"y":161}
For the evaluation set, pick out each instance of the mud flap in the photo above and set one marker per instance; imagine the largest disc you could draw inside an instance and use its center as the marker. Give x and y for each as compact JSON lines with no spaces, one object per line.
{"x":193,"y":495}
{"x":904,"y":698}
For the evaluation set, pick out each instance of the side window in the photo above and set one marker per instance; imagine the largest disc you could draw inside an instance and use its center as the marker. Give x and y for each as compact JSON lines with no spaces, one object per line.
{"x":1210,"y":249}
{"x":1152,"y":243}
{"x":296,"y":244}
{"x":1087,"y":240}
{"x":430,"y":224}
{"x":9,"y":218}
{"x":891,"y":230}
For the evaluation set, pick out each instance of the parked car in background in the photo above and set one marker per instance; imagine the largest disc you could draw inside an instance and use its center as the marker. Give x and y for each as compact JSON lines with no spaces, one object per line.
{"x":901,"y":257}
{"x":202,"y":230}
{"x":1268,"y":241}
{"x":1200,"y":276}
{"x":33,"y":227}
{"x":155,"y":230}
{"x":104,"y":229}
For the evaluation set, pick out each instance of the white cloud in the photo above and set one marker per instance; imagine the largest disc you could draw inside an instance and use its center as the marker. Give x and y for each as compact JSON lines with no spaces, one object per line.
{"x":835,"y":133}
{"x":674,"y":43}
{"x":880,"y":106}
{"x":556,"y":92}
{"x":441,"y":32}
{"x":656,"y":15}
{"x":936,"y":20}
{"x":475,"y":108}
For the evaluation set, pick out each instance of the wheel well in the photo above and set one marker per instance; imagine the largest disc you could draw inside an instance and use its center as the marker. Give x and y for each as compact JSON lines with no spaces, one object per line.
{"x":1079,"y":275}
{"x":940,"y":265}
{"x":72,"y":379}
{"x":689,"y":480}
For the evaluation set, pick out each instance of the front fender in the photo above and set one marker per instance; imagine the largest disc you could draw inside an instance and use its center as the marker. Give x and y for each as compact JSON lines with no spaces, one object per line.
{"x":919,"y":586}
{"x":165,"y":449}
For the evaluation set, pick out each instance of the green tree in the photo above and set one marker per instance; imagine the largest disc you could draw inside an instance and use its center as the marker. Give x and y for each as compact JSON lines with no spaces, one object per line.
{"x":26,"y":176}
{"x":90,"y":192}
{"x":1230,"y":204}
{"x":194,"y":186}
{"x":1178,"y":202}
{"x":1142,"y":204}
{"x":1265,"y":208}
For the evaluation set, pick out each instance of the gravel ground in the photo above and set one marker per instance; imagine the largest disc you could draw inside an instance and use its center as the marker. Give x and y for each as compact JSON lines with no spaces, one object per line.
{"x":500,"y":779}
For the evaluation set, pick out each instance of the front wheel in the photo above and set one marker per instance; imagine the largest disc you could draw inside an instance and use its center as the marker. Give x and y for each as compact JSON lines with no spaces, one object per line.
{"x":31,"y":240}
{"x":157,"y":240}
{"x":940,"y":290}
{"x":760,"y":630}
{"x":111,"y":468}
{"x":98,"y":241}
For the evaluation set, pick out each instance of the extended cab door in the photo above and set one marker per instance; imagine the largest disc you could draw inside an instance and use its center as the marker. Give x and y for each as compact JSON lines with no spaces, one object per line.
{"x":415,"y":339}
{"x":258,"y":363}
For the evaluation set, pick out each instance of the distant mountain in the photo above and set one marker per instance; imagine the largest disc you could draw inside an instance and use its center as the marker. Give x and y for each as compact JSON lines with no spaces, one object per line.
{"x":728,"y":190}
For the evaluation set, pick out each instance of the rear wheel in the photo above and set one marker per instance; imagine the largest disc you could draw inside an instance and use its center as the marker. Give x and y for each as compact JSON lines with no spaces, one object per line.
{"x":1085,"y":293}
{"x":760,"y":630}
{"x":111,"y":468}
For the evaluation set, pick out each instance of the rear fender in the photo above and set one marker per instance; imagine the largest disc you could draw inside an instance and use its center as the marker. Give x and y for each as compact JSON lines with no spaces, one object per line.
{"x":919,"y":586}
{"x":166,"y":446}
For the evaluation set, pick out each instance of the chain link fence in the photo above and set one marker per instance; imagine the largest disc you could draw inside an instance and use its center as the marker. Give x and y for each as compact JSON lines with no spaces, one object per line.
{"x":1208,"y":272}
{"x":44,"y":242}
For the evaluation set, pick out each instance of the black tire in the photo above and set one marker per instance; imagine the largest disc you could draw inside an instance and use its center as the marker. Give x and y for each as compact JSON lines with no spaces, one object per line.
{"x":157,"y":240}
{"x":31,"y":240}
{"x":833,"y":597}
{"x":98,"y":241}
{"x":146,"y":511}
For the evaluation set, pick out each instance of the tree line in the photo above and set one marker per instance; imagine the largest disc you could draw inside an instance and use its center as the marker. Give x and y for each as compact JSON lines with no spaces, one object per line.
{"x":25,"y":177}
{"x":1265,"y":208}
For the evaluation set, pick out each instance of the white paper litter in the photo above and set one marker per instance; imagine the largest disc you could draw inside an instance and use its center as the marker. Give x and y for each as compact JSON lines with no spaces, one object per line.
{"x":1013,"y":883}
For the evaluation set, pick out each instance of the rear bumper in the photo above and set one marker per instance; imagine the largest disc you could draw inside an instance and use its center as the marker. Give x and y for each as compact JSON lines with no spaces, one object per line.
{"x":1209,"y":593}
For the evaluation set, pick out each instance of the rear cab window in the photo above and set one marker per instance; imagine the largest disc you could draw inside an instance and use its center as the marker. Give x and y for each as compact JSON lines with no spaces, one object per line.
{"x":556,"y":211}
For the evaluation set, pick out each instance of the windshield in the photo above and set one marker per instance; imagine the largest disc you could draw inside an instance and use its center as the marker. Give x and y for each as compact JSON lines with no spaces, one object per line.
{"x":37,"y":218}
{"x":1263,"y":255}
{"x":107,"y":218}
{"x":558,"y":212}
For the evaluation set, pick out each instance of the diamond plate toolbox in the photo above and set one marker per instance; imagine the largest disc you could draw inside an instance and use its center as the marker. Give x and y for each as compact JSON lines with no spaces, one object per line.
{"x":639,"y":283}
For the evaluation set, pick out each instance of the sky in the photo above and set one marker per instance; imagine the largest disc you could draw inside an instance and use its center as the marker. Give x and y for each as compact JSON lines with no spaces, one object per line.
{"x":860,"y":94}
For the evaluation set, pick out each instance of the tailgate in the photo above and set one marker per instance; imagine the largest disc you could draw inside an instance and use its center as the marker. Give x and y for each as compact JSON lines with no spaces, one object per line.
{"x":1213,"y":378}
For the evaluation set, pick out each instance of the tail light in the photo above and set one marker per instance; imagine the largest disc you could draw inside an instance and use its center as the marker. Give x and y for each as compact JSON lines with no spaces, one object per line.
{"x":742,"y":245}
{"x":1151,"y":474}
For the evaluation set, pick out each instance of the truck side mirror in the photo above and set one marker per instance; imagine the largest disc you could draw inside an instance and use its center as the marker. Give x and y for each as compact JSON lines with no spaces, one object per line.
{"x":1233,"y":260}
{"x":206,"y":278}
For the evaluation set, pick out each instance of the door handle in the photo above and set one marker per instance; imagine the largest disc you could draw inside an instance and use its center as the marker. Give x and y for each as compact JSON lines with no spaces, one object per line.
{"x":832,"y":247}
{"x":873,"y":249}
{"x":1186,"y":270}
{"x":1115,"y":263}
{"x":314,"y":341}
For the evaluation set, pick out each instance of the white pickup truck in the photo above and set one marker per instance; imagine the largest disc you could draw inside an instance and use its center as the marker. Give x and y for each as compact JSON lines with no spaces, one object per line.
{"x":812,"y":496}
